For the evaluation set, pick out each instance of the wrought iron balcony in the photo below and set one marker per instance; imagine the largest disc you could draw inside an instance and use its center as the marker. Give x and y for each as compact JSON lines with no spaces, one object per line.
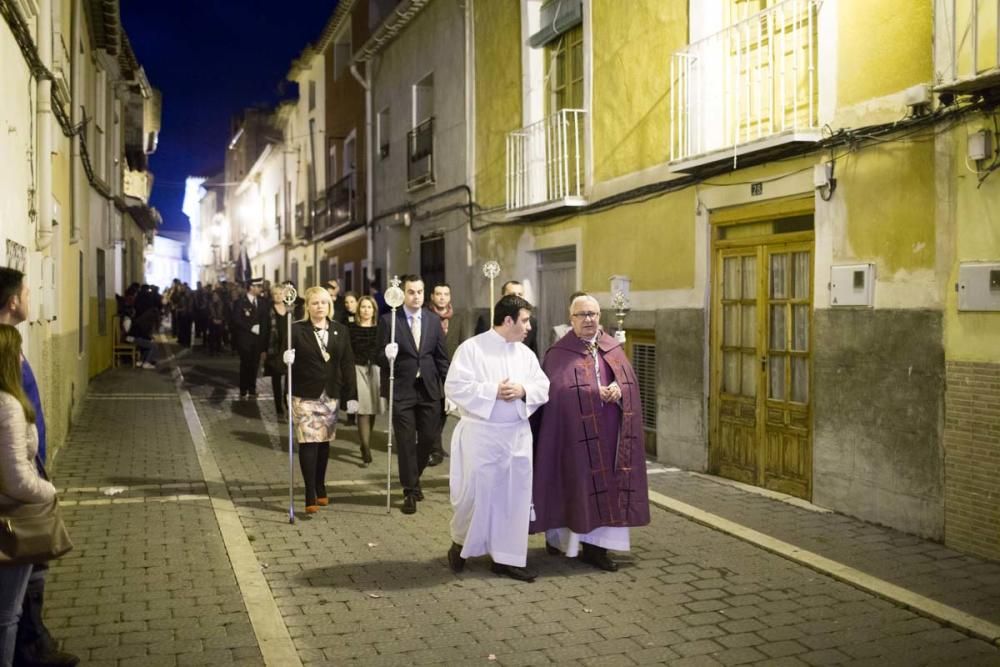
{"x":300,"y":221}
{"x":342,"y":201}
{"x":420,"y":162}
{"x":320,"y":216}
{"x":545,"y":163}
{"x":750,"y":87}
{"x":967,"y":45}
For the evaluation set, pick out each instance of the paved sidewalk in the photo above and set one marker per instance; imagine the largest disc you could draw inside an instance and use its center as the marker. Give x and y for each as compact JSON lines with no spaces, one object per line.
{"x":964,"y":582}
{"x":151,"y":580}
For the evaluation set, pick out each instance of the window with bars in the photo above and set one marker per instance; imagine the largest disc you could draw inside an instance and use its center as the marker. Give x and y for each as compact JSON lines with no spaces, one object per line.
{"x":644,"y":363}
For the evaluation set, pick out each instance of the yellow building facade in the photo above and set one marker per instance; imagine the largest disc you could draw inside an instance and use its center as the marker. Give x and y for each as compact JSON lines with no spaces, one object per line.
{"x":785,"y":192}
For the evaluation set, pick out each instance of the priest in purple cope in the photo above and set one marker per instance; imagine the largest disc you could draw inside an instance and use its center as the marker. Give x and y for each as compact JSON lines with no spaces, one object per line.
{"x":589,"y":483}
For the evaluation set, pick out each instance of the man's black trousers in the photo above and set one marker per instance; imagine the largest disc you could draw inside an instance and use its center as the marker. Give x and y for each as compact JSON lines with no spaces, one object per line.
{"x":415,"y":426}
{"x":249,"y":362}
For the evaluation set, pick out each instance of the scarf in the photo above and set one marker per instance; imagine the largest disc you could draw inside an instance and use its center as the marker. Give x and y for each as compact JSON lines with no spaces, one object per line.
{"x":444,"y":314}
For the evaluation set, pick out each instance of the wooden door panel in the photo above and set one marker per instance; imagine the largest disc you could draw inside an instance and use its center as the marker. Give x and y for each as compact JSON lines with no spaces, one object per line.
{"x":788,"y":442}
{"x":761,"y":366}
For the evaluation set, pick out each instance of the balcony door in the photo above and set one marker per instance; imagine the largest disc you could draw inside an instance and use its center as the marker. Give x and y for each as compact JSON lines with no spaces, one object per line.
{"x":564,"y":91}
{"x":761,"y":359}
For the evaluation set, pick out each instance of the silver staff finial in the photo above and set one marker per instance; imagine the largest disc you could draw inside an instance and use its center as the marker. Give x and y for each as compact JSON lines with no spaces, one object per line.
{"x":394,"y":296}
{"x":491,"y":269}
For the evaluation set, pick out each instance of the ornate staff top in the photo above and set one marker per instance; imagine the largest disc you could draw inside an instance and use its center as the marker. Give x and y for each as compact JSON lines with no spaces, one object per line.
{"x":491,"y":269}
{"x":394,"y":296}
{"x":620,"y":303}
{"x":290,"y":295}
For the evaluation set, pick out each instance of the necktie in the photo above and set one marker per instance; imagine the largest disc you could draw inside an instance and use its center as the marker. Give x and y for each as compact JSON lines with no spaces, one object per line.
{"x":415,"y":330}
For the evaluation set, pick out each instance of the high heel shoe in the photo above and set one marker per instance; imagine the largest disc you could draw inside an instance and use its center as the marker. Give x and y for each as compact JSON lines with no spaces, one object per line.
{"x":366,"y":456}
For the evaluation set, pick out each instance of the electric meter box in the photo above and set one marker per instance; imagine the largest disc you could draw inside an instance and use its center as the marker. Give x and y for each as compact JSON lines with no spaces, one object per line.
{"x":979,"y":286}
{"x":852,"y":285}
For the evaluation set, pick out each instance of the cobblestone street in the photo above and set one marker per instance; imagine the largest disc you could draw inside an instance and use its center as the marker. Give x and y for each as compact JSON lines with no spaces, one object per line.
{"x":176,"y":496}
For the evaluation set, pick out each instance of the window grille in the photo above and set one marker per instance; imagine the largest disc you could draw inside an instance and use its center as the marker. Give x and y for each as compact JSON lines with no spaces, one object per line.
{"x":644,"y":363}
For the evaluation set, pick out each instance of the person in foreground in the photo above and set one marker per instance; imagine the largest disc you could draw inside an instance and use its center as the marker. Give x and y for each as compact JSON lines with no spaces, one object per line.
{"x":497,"y":384}
{"x":20,"y":480}
{"x":322,"y":372}
{"x":35,"y":645}
{"x":590,"y":468}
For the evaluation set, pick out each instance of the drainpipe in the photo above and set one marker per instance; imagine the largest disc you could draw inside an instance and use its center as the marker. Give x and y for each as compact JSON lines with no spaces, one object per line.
{"x":369,"y":177}
{"x":43,"y":236}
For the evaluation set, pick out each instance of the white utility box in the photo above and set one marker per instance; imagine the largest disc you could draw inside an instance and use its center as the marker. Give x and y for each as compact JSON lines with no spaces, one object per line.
{"x":979,"y":286}
{"x":852,"y":285}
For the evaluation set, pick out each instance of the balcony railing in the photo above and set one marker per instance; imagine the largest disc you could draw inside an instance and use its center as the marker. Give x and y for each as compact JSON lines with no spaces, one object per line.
{"x":967,"y":44}
{"x":420,"y":163}
{"x":342,"y":199}
{"x":320,"y":215}
{"x":300,"y":221}
{"x":752,"y":85}
{"x":545,"y":162}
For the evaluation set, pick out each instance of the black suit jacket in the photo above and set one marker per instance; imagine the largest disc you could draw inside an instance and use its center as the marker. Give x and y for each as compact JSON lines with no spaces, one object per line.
{"x":245,"y":315}
{"x":311,"y":375}
{"x":431,"y":359}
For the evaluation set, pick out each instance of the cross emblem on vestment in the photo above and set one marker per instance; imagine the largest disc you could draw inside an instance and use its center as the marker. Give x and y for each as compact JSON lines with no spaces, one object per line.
{"x":581,"y":383}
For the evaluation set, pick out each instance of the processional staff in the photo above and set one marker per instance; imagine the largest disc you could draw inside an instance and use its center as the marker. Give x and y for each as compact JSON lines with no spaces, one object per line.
{"x":491,"y":270}
{"x":394,"y":299}
{"x":289,"y":300}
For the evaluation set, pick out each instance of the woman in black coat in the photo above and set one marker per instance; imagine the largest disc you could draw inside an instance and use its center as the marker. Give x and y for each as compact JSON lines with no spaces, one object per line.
{"x":322,"y":375}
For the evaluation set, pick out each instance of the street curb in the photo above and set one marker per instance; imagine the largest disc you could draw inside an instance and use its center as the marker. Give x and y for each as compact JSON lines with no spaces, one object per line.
{"x":269,"y":627}
{"x":960,"y":620}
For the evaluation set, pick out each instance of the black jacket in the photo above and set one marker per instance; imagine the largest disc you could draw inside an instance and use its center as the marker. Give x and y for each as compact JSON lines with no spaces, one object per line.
{"x":432,"y":359}
{"x":245,"y":315}
{"x":311,"y":375}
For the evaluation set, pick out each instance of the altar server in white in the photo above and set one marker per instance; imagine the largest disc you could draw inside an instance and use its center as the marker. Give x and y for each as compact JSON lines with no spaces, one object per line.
{"x":497,"y":383}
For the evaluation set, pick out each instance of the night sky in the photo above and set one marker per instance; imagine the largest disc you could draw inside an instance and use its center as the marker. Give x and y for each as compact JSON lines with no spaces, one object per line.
{"x":210,"y":59}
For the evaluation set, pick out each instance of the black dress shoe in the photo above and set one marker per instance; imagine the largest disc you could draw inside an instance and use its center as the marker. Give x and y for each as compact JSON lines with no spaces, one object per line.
{"x":417,"y":494}
{"x":598,"y":557}
{"x":409,"y":505}
{"x":513,"y":572}
{"x":455,"y":560}
{"x":552,"y":551}
{"x":434,"y":460}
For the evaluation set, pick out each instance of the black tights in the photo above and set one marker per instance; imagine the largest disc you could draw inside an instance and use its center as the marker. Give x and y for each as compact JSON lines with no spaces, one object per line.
{"x":313,"y":457}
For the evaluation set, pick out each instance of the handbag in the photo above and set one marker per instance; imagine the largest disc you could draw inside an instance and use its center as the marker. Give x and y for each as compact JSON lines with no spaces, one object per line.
{"x":32,"y":533}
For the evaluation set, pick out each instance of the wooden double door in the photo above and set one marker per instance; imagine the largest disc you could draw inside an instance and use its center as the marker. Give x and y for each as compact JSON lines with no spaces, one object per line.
{"x":761,"y":364}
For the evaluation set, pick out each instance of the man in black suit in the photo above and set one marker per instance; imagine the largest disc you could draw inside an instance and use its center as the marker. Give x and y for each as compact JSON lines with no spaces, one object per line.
{"x":421,"y":366}
{"x":251,"y":330}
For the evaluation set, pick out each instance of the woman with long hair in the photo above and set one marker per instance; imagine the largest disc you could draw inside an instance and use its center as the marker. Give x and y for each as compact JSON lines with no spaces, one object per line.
{"x":363,"y":345}
{"x":20,"y":481}
{"x":322,"y":376}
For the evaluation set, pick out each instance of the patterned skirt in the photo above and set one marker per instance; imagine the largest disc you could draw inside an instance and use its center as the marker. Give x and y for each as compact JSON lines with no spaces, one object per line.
{"x":315,"y":418}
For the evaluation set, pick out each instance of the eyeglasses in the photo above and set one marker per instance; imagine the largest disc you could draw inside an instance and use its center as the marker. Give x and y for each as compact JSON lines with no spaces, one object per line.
{"x":587,"y":316}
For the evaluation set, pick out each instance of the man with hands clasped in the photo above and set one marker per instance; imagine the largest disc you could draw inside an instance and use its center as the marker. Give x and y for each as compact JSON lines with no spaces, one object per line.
{"x":497,"y":384}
